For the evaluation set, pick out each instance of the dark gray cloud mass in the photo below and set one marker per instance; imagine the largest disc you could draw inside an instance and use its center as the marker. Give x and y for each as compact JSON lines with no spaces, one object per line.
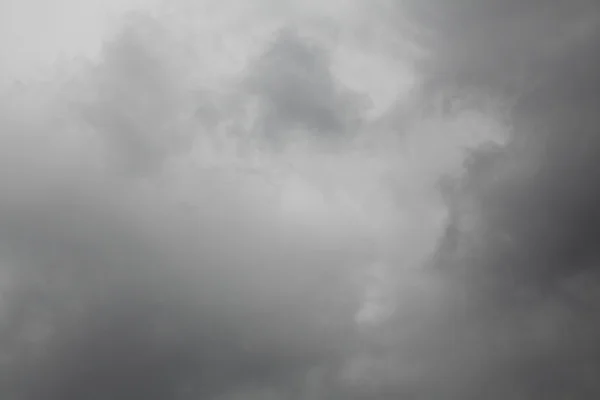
{"x":154,"y":246}
{"x":542,"y":57}
{"x":535,"y":203}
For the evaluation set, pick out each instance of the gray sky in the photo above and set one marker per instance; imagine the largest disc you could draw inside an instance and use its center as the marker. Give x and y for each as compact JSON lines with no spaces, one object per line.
{"x":242,"y":198}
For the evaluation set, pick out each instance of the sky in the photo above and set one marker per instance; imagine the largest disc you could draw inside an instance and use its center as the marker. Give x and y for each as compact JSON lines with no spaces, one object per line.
{"x":297,"y":199}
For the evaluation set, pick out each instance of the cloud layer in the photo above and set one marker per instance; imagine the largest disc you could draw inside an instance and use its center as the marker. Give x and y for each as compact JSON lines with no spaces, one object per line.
{"x":225,"y":205}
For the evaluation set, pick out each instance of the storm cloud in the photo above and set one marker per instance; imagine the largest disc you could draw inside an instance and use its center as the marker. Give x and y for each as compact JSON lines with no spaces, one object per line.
{"x":270,"y":200}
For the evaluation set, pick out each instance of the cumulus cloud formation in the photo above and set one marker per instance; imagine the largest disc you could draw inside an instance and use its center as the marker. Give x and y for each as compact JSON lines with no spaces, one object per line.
{"x":274,"y":200}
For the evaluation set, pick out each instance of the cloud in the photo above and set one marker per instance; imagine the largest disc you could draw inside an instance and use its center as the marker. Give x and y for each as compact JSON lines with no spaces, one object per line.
{"x":164,"y":249}
{"x":506,"y":47}
{"x":525,"y":224}
{"x":294,"y":80}
{"x":540,"y":58}
{"x":140,"y":96}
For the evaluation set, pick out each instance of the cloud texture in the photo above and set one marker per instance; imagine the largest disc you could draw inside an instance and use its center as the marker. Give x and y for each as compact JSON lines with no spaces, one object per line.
{"x":243,"y":200}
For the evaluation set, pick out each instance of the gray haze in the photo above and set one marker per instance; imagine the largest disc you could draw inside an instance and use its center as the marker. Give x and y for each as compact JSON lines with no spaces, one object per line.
{"x":302,"y":200}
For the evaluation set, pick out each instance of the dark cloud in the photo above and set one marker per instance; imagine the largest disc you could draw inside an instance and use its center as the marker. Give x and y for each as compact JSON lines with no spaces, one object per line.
{"x":540,"y":57}
{"x":138,"y":268}
{"x":139,"y":304}
{"x":524,"y":227}
{"x":509,"y":47}
{"x":298,"y":90}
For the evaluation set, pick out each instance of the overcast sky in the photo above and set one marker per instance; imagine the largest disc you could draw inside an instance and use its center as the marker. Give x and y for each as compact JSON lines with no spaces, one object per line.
{"x":234,"y":199}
